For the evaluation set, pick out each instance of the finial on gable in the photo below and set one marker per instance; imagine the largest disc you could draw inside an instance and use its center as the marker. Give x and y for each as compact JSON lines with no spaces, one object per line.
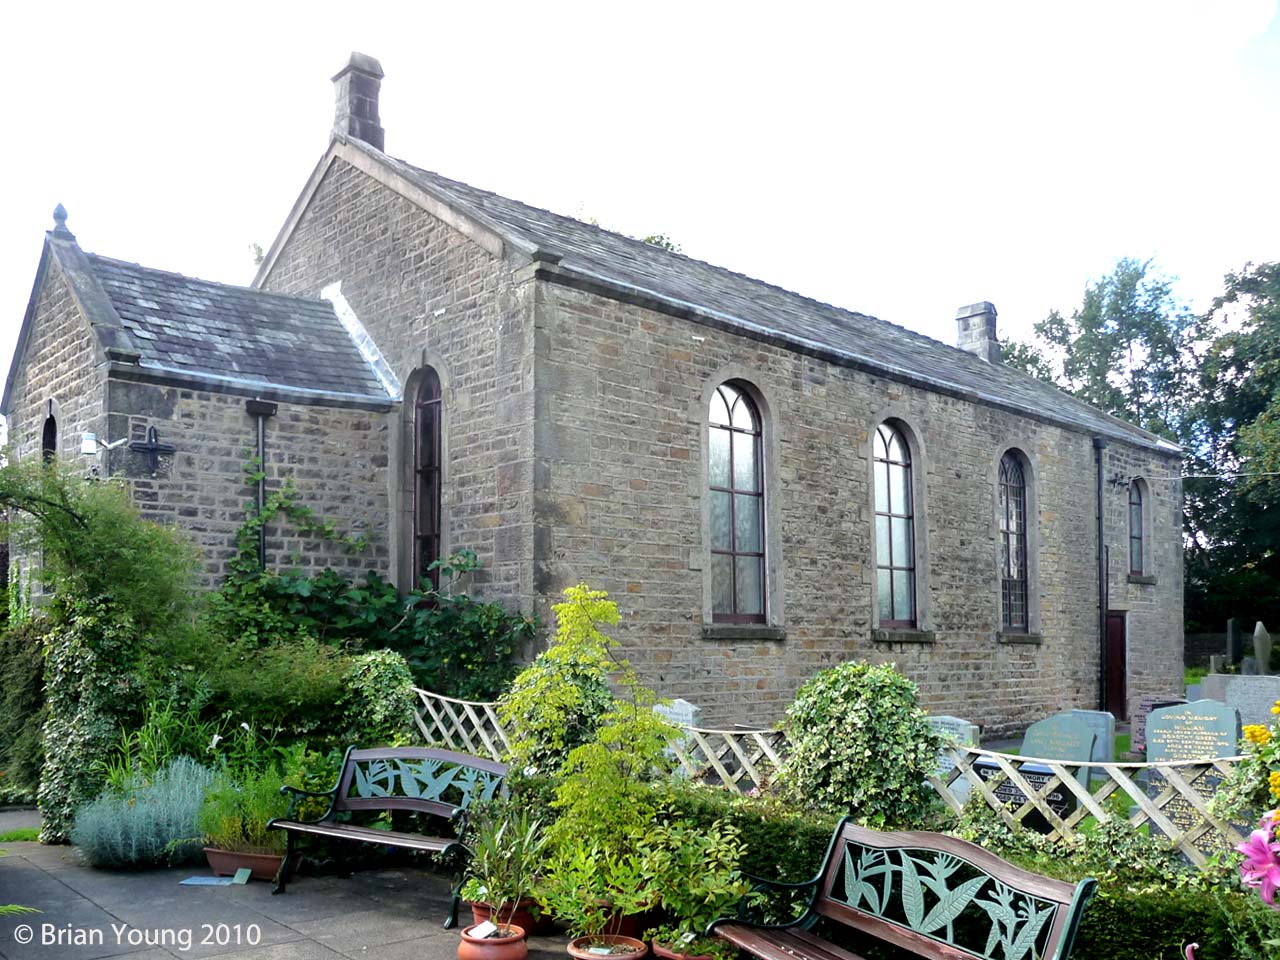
{"x":60,"y":221}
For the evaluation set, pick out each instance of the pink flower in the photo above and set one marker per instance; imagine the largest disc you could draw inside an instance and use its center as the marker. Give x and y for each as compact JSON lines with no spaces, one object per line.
{"x":1261,"y":866}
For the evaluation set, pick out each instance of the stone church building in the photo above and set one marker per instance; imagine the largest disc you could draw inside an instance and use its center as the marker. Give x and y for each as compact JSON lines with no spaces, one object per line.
{"x":765,"y":483}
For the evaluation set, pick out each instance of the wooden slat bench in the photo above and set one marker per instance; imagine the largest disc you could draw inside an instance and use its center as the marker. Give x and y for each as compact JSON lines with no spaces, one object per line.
{"x":923,"y":894}
{"x":441,"y":783}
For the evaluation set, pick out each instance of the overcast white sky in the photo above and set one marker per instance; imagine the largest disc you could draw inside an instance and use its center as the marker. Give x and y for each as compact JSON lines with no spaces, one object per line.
{"x":900,"y":159}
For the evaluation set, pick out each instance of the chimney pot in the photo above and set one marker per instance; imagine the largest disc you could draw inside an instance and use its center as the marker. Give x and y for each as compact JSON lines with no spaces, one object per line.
{"x":976,"y":331}
{"x":356,"y":88}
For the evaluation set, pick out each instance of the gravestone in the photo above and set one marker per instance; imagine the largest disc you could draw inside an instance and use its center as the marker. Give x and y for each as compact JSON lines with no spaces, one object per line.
{"x":1137,"y":738}
{"x":1194,"y":693}
{"x":1060,"y":737}
{"x":1103,"y":725}
{"x":1253,"y":697}
{"x":1235,"y":640}
{"x":1249,"y":667}
{"x":1203,"y":730}
{"x":966,"y":734}
{"x":683,"y":714}
{"x":1217,"y":663}
{"x":1262,"y":647}
{"x":1214,"y":686}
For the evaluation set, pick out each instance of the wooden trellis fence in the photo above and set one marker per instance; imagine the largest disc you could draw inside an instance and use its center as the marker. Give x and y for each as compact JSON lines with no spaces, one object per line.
{"x":1171,"y":797}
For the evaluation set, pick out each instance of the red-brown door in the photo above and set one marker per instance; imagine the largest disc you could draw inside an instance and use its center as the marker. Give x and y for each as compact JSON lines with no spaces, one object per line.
{"x":1117,"y":694}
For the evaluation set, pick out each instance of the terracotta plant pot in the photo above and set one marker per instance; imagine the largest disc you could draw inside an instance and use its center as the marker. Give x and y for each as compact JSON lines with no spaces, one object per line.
{"x":522,"y":917}
{"x":512,"y":947}
{"x":225,"y":863}
{"x":628,"y":947}
{"x":666,"y":953}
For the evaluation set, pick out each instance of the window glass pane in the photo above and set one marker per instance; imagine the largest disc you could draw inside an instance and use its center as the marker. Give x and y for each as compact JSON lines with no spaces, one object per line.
{"x":878,"y":449}
{"x":428,"y":431}
{"x":883,"y":556}
{"x":900,"y":488}
{"x":1004,"y":554}
{"x":902,"y":595}
{"x":1015,"y":557}
{"x":884,"y":596}
{"x":1135,"y":519}
{"x":746,"y":520}
{"x":718,"y":469}
{"x":749,"y":598}
{"x":719,"y":411}
{"x":721,"y":584}
{"x":721,"y":528}
{"x":743,"y":416}
{"x":1004,"y":507}
{"x":897,"y":450}
{"x":744,"y":462}
{"x":1135,"y":555}
{"x":881,"y":473}
{"x":902,"y":551}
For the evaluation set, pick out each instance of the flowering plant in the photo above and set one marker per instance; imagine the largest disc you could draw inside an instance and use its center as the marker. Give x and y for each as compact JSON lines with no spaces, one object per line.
{"x":1261,"y":865}
{"x":1254,"y":783}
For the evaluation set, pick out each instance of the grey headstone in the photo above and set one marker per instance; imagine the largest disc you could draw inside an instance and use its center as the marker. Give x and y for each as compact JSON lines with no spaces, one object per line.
{"x":1060,"y":737}
{"x":1061,"y":800}
{"x":1203,"y":730}
{"x":1214,"y":686}
{"x":1249,"y":667}
{"x":1253,"y":697}
{"x":966,"y":734}
{"x":1193,"y":692}
{"x":1262,"y":647}
{"x":1138,"y":730}
{"x":681,"y":712}
{"x":1103,"y":725}
{"x":1216,"y":663}
{"x":1235,"y":640}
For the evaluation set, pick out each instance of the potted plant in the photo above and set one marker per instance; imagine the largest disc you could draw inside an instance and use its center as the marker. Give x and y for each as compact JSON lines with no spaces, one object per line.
{"x":588,"y":888}
{"x":233,"y":824}
{"x":506,"y":853}
{"x":697,"y":874}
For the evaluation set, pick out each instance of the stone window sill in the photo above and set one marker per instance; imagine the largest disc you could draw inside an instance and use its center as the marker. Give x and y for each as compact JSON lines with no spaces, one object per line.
{"x":1029,"y":638}
{"x":1142,"y":578}
{"x":742,"y":631}
{"x":902,"y":635}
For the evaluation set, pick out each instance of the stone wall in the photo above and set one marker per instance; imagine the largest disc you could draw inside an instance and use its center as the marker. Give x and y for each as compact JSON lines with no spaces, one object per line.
{"x":429,"y":295}
{"x":336,"y":458}
{"x":622,"y":400}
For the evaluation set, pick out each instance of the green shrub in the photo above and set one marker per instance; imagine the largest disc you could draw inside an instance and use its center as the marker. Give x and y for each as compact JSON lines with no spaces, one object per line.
{"x":861,"y":744}
{"x":150,"y":822}
{"x":235,"y":812}
{"x":21,"y":710}
{"x":378,"y":704}
{"x":167,"y":731}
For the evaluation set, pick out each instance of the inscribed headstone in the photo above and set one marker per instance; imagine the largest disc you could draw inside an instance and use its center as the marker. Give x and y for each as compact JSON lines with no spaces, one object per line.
{"x":684,"y":714}
{"x":1103,"y":725}
{"x":1060,"y":737}
{"x":1204,"y":730}
{"x":1253,"y":697}
{"x":1262,"y":647}
{"x":966,"y":734}
{"x":1214,"y":686}
{"x":1137,"y":738}
{"x":1060,"y":799}
{"x":1194,"y":692}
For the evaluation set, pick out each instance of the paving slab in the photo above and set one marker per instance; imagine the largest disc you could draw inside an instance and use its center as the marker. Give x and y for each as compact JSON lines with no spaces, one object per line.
{"x":89,"y":914}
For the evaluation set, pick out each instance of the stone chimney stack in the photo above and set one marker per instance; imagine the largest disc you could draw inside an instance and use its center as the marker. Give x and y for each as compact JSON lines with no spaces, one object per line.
{"x":976,"y":331}
{"x":356,"y":86}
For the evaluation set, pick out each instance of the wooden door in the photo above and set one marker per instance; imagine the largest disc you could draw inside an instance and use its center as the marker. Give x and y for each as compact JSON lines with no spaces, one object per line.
{"x":1117,"y":656}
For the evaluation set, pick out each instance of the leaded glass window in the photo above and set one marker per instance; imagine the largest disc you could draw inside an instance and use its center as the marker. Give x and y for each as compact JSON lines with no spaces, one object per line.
{"x":1135,"y":528}
{"x":1013,"y":544}
{"x":895,"y":533}
{"x":426,"y":478}
{"x":735,"y":472}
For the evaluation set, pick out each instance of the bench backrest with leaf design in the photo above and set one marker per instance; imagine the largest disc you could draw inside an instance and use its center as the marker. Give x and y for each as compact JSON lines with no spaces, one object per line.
{"x":424,"y":779}
{"x":927,"y":893}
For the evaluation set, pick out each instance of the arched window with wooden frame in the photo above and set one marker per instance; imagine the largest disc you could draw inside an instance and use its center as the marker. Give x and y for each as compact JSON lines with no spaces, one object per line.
{"x":895,"y":527}
{"x":427,"y":413}
{"x":1014,"y":613}
{"x":49,"y":440}
{"x":1137,"y":537}
{"x":735,"y":470}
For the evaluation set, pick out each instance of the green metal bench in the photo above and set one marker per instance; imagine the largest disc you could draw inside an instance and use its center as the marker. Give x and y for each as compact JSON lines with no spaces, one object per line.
{"x":441,"y":783}
{"x":924,"y":895}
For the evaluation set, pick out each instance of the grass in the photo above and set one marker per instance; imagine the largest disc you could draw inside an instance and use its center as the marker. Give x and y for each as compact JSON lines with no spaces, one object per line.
{"x":1194,"y":674}
{"x":21,"y":835}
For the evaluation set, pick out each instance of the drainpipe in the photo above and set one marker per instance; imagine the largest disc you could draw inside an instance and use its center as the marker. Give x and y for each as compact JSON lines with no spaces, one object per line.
{"x":1099,"y":447}
{"x":260,"y":410}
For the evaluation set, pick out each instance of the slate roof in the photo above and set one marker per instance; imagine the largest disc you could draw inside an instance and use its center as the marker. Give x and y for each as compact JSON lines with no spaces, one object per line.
{"x":238,"y":334}
{"x":764,"y":309}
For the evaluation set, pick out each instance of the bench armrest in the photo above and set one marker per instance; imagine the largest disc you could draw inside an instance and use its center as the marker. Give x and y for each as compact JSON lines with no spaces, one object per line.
{"x":748,"y":907}
{"x":299,"y":794}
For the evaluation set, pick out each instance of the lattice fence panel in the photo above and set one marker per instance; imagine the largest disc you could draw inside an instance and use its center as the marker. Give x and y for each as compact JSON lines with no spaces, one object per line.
{"x":1172,"y":798}
{"x":462,"y":725}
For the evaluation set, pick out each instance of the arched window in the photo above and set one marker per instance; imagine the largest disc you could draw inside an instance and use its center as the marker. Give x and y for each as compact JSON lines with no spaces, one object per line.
{"x":49,"y":442}
{"x":1135,"y":528}
{"x":895,"y":534}
{"x":1013,"y":544}
{"x":426,"y":478}
{"x":736,"y":479}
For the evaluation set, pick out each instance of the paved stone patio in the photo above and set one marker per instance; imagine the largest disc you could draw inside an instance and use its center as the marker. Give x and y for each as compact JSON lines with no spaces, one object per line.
{"x":391,"y":914}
